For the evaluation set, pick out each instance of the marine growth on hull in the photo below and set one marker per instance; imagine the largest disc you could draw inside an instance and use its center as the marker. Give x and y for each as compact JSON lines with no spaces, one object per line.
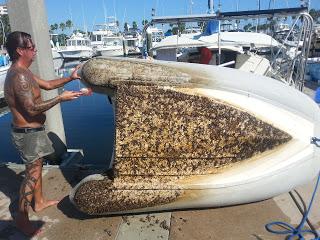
{"x":164,"y":137}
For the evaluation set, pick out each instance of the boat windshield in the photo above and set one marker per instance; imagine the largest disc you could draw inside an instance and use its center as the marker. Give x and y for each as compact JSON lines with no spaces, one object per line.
{"x":157,"y":36}
{"x":112,"y":41}
{"x":131,"y":43}
{"x":96,"y":37}
{"x":78,"y":43}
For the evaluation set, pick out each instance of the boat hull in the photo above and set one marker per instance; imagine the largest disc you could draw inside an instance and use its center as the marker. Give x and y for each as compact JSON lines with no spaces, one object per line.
{"x":110,"y":52}
{"x":195,"y":136}
{"x":76,"y":54}
{"x":57,"y":59}
{"x":3,"y":74}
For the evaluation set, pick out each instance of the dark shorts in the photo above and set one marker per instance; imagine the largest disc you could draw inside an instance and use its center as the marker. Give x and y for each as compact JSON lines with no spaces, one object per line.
{"x":32,"y":145}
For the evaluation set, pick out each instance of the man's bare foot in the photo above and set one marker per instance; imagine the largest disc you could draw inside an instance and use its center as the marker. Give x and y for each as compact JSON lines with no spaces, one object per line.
{"x":24,"y":225}
{"x":48,"y":203}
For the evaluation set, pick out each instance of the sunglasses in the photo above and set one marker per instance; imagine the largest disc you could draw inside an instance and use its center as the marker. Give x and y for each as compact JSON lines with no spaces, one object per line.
{"x":32,"y":47}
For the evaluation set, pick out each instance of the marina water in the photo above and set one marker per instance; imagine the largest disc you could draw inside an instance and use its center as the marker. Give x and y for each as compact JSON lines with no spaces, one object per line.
{"x":88,"y":123}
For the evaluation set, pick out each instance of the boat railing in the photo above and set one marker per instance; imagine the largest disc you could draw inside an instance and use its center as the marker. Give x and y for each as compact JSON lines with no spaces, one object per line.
{"x":292,"y":67}
{"x":227,"y":64}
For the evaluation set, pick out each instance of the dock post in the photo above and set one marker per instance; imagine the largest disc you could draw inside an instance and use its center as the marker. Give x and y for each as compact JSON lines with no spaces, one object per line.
{"x":30,"y":16}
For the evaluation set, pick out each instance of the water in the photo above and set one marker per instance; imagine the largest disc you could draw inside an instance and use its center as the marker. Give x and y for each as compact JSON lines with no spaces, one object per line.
{"x":88,"y":123}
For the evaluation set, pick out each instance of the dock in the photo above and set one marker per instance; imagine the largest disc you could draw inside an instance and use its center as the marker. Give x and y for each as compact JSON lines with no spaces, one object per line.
{"x":64,"y":221}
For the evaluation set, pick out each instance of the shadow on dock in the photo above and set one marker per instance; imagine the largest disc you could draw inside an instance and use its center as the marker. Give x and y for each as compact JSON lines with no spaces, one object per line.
{"x":68,"y":209}
{"x":9,"y":231}
{"x":10,"y":182}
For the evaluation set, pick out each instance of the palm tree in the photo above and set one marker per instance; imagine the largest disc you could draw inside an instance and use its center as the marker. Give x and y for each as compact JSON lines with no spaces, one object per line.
{"x":178,"y":29}
{"x":53,"y":27}
{"x":69,"y":24}
{"x":56,"y":26}
{"x":62,"y":26}
{"x":134,"y":25}
{"x":5,"y":25}
{"x":144,"y":22}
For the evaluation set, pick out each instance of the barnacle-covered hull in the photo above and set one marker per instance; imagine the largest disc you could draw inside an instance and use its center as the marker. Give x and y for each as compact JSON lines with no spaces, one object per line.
{"x":190,"y":136}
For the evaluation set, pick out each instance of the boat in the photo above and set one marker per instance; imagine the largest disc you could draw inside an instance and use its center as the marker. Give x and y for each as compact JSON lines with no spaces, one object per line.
{"x":55,"y":47}
{"x":112,"y":46}
{"x":4,"y":67}
{"x":315,"y":43}
{"x":78,"y":47}
{"x":256,"y":53}
{"x":281,"y":30}
{"x":133,"y":41}
{"x":156,"y":34}
{"x":243,"y":39}
{"x":242,"y":50}
{"x":99,"y":32}
{"x":198,"y":136}
{"x":57,"y":58}
{"x":102,"y":31}
{"x":192,"y":29}
{"x":106,"y":39}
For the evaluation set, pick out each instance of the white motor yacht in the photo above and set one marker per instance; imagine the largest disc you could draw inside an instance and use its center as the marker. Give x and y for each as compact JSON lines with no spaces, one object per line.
{"x":156,"y":35}
{"x":112,"y":46}
{"x":133,"y":41}
{"x":78,"y":47}
{"x":99,"y":32}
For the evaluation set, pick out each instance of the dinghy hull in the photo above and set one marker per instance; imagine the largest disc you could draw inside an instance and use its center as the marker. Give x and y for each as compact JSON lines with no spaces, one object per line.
{"x":195,"y":136}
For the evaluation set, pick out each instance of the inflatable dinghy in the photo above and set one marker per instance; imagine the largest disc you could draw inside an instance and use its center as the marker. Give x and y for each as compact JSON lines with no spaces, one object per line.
{"x":198,"y":136}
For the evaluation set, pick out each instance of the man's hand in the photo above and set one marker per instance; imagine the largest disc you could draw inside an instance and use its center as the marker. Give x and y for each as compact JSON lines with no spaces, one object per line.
{"x":70,"y":95}
{"x":56,"y":83}
{"x":74,"y":74}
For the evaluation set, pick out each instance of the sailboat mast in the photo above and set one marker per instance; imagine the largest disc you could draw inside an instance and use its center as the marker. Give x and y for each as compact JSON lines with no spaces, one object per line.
{"x":191,"y":3}
{"x":104,"y":11}
{"x":210,"y":6}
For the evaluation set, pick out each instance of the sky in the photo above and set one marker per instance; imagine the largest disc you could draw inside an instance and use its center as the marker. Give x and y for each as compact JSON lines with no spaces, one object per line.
{"x":85,"y":13}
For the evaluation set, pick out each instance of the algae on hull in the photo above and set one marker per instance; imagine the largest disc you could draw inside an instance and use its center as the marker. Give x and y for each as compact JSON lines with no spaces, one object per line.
{"x":164,"y":132}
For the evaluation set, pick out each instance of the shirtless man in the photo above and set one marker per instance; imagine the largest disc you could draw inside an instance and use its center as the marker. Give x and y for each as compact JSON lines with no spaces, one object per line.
{"x":22,"y":93}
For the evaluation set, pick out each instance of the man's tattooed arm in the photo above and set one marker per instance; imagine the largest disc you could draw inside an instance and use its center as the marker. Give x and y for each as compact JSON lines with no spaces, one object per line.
{"x":23,"y":91}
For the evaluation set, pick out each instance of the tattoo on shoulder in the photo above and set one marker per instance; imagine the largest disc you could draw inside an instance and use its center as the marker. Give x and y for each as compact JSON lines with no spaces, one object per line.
{"x":22,"y":84}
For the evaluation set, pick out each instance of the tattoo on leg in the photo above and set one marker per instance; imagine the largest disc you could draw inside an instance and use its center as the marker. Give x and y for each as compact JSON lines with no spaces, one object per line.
{"x":28,"y":185}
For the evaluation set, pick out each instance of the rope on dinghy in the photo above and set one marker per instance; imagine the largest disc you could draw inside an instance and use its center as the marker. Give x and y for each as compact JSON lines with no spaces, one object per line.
{"x":298,"y":232}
